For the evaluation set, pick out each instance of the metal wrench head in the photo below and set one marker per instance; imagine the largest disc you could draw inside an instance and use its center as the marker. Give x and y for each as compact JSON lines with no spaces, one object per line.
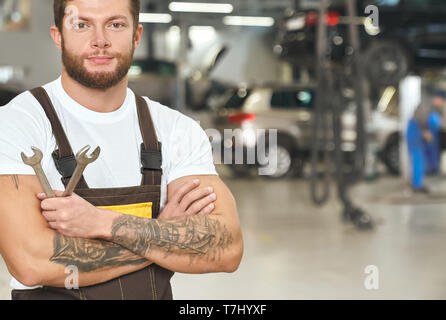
{"x":83,"y":159}
{"x":34,"y":159}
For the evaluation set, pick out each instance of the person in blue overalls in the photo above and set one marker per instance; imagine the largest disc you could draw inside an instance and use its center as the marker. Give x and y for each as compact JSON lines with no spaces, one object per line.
{"x":423,"y":139}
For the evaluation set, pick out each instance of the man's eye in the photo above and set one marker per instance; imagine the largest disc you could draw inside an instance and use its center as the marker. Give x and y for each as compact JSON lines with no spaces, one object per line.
{"x":117,"y":25}
{"x":80,"y":25}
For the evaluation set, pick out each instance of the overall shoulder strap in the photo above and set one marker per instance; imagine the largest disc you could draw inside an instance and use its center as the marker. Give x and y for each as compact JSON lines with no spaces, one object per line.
{"x":64,"y":158}
{"x":151,"y":157}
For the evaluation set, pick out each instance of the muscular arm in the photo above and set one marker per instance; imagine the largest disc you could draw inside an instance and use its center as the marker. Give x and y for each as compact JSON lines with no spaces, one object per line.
{"x":193,"y":244}
{"x":37,"y":255}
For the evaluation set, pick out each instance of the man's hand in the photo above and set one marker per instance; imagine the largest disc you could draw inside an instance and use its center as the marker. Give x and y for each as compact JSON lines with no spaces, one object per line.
{"x":188,"y":201}
{"x":71,"y":216}
{"x":427,"y":135}
{"x":75,"y":217}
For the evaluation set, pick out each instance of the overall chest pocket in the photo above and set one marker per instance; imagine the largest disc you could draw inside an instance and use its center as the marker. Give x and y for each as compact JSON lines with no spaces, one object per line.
{"x":140,"y":201}
{"x":141,"y":210}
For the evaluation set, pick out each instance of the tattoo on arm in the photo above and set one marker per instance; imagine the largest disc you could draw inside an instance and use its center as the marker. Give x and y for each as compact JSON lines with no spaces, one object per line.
{"x":90,"y":255}
{"x":15,"y":179}
{"x":198,"y":236}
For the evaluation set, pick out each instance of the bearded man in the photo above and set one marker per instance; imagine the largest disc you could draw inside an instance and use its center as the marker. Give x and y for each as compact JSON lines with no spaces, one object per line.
{"x":152,"y":204}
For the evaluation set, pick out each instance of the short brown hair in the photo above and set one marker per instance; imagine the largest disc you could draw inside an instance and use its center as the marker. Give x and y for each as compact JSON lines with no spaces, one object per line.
{"x":59,"y":12}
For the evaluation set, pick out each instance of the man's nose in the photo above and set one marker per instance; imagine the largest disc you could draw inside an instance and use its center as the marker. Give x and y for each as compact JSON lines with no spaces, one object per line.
{"x":100,"y":40}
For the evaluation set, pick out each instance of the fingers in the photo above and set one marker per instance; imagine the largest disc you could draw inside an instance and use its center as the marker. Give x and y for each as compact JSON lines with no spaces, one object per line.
{"x":185,"y":189}
{"x":203,"y":206}
{"x":53,"y":225}
{"x":43,"y":196}
{"x":194,"y":196}
{"x":49,"y":204}
{"x":50,"y":216}
{"x":52,"y":204}
{"x":206,"y":210}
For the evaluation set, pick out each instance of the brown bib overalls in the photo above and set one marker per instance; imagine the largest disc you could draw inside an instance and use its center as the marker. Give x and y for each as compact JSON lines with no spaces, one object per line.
{"x":150,"y":283}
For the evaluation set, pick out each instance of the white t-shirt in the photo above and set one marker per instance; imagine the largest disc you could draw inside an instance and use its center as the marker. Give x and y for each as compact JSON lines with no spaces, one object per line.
{"x":186,"y":149}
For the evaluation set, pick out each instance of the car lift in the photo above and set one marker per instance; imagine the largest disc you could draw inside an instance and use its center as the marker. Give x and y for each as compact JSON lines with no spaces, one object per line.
{"x":329,"y":107}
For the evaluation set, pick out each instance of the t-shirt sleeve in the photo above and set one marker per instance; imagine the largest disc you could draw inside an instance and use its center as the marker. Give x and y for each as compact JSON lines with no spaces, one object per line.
{"x":18,"y":132}
{"x":190,"y":151}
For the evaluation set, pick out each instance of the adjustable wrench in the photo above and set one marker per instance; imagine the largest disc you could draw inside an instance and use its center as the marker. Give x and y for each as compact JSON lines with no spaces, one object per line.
{"x":82,"y":162}
{"x":35,"y":162}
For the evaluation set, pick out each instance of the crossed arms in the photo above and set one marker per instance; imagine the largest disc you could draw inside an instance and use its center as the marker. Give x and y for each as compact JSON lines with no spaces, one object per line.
{"x":39,"y":238}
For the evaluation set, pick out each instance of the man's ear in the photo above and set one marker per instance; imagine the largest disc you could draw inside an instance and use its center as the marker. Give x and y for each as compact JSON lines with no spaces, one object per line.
{"x":138,"y":35}
{"x":57,"y":37}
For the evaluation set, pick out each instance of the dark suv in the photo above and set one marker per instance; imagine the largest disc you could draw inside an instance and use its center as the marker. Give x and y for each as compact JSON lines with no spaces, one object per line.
{"x":7,"y":94}
{"x":411,"y":36}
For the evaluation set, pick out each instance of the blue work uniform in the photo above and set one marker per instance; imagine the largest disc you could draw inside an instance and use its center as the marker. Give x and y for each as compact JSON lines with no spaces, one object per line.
{"x":424,"y":156}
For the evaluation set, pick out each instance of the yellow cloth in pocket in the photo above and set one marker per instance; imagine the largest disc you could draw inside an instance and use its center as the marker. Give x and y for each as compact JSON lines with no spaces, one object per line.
{"x":141,"y":210}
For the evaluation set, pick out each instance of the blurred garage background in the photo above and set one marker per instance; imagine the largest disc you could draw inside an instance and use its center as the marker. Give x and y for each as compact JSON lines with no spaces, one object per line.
{"x":336,"y":218}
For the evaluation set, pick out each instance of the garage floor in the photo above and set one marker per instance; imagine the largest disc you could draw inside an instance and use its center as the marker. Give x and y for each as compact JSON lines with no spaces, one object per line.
{"x":294,"y":250}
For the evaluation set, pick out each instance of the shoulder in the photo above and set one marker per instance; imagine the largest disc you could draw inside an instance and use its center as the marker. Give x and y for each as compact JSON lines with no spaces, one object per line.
{"x":22,"y":110}
{"x":24,"y":120}
{"x":22,"y":124}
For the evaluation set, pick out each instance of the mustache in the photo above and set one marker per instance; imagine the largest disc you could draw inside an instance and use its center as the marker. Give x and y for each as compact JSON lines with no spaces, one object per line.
{"x":102,"y":54}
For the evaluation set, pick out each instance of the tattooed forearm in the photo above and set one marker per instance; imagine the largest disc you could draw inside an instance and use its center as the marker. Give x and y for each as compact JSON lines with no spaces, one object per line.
{"x":90,"y":255}
{"x":198,"y":236}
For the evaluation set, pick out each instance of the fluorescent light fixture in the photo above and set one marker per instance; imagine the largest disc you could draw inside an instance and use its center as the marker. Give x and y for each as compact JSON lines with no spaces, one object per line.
{"x":201,"y":7}
{"x":155,"y":18}
{"x":248,"y":21}
{"x":202,"y":33}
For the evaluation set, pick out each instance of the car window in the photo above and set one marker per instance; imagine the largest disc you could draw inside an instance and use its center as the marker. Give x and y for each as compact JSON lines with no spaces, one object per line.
{"x":292,"y":99}
{"x":6,"y":96}
{"x":237,"y":99}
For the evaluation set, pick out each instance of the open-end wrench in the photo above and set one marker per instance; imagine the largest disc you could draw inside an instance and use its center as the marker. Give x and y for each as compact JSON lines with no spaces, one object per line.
{"x":35,"y":162}
{"x":82,"y":162}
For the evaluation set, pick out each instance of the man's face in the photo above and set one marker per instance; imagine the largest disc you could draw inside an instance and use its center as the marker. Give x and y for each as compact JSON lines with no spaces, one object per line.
{"x":438,"y":102}
{"x":98,"y":42}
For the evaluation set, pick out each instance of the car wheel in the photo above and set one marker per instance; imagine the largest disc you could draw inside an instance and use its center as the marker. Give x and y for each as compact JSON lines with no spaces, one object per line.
{"x":241,"y":170}
{"x":391,"y":154}
{"x":387,"y":63}
{"x":285,"y":163}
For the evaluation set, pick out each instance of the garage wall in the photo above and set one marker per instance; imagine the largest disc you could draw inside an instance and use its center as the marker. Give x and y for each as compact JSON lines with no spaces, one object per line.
{"x":33,"y":49}
{"x":250,"y":58}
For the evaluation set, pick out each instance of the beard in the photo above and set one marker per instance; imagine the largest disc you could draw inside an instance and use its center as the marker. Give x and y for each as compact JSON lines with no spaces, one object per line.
{"x":75,"y":68}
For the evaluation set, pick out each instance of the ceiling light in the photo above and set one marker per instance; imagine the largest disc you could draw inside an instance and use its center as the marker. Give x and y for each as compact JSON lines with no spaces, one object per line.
{"x":201,"y":7}
{"x":202,"y":33}
{"x":248,"y":21}
{"x":155,"y":18}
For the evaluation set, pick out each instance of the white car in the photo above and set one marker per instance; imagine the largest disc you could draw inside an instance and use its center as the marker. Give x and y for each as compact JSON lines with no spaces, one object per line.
{"x":290,"y":110}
